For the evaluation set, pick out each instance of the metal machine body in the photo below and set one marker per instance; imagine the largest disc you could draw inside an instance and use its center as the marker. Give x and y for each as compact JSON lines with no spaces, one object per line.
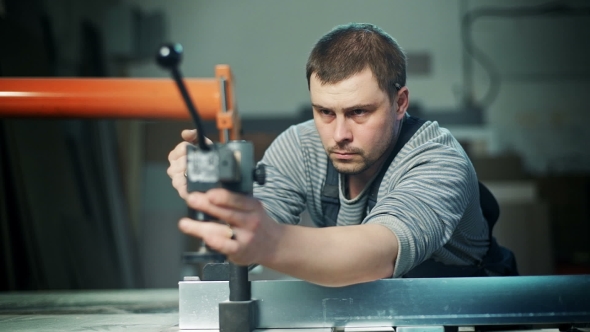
{"x":483,"y":301}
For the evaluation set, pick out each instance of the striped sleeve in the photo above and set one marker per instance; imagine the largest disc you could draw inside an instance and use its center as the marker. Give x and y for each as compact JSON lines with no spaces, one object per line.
{"x":284,"y":193}
{"x":423,"y":197}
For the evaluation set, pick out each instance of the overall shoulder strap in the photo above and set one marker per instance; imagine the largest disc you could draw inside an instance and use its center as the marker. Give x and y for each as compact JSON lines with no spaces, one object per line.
{"x":410,"y":126}
{"x":330,"y":198}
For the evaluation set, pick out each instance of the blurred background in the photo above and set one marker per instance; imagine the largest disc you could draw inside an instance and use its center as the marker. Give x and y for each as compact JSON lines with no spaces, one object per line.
{"x":87,"y":204}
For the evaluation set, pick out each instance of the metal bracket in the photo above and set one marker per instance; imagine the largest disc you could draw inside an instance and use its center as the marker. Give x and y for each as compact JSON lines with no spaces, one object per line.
{"x":238,"y":316}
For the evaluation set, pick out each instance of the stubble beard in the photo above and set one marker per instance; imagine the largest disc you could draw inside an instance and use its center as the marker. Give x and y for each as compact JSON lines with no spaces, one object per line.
{"x":352,"y":167}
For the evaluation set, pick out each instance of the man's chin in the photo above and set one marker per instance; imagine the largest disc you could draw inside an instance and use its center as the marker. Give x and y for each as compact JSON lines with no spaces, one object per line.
{"x":348,"y":168}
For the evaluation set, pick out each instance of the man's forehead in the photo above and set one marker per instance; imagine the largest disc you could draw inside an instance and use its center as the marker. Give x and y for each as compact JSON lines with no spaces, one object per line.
{"x":365,"y":73}
{"x":361,"y":88}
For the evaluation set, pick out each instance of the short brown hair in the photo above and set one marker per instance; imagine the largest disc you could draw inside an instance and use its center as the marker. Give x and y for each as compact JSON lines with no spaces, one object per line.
{"x":349,"y":49}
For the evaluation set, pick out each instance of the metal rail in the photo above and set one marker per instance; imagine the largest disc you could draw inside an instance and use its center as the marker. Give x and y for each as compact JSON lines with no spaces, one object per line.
{"x":398,"y":302}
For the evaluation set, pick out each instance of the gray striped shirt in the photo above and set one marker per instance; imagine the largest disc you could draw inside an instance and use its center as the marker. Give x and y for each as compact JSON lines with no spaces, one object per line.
{"x":429,"y":196}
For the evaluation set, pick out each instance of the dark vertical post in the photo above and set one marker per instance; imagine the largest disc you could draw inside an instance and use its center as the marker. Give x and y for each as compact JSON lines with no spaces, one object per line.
{"x":239,"y":286}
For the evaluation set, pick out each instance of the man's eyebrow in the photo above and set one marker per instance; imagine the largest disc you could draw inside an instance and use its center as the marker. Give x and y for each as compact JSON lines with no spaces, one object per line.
{"x":362,"y":107}
{"x":316,"y":106}
{"x":355,"y":107}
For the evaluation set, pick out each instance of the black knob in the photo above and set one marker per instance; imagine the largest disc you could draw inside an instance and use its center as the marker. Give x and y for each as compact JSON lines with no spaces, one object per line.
{"x":169,"y":55}
{"x":260,"y":174}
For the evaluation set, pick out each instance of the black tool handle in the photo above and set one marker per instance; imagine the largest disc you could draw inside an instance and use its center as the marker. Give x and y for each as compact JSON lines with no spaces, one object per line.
{"x":169,"y":56}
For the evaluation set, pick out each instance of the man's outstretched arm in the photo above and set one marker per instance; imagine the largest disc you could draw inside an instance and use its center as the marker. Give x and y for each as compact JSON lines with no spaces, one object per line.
{"x":332,"y":256}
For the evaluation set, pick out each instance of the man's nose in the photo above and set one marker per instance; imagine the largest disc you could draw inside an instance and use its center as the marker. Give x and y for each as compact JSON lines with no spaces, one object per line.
{"x":342,"y":132}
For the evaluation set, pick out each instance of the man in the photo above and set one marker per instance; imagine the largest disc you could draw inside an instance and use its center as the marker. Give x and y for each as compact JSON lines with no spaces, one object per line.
{"x":427,"y":205}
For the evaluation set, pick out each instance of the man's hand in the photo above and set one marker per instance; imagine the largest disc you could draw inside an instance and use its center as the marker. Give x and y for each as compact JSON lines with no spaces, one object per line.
{"x":255,"y":234}
{"x":177,"y":158}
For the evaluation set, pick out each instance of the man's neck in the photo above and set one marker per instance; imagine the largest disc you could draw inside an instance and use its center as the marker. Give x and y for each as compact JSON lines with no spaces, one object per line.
{"x":358,"y":182}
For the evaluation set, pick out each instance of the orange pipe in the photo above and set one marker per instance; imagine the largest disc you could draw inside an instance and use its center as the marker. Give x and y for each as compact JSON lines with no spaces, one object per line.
{"x":118,"y":98}
{"x":105,"y":98}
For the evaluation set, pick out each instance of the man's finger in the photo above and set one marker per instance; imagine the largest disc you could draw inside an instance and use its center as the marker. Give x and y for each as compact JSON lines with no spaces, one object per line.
{"x":190,"y":135}
{"x":233,"y":200}
{"x":220,"y":200}
{"x":176,"y":167}
{"x":178,"y":152}
{"x":179,"y":182}
{"x":236,"y":214}
{"x":217,"y":236}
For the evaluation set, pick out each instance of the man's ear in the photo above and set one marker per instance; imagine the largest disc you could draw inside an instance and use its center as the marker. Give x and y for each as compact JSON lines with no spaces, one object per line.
{"x":402,"y":101}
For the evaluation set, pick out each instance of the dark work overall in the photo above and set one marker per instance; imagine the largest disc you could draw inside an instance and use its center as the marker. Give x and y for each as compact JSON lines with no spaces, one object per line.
{"x":498,"y":261}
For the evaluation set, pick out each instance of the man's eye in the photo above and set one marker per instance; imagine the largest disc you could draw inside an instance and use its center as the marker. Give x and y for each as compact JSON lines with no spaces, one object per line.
{"x":325,"y":112}
{"x":359,"y":112}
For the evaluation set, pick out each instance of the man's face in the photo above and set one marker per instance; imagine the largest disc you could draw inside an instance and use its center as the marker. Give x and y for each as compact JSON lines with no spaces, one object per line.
{"x":356,"y":121}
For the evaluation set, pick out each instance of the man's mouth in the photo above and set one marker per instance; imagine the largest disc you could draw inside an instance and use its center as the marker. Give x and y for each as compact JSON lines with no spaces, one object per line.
{"x":343,"y":155}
